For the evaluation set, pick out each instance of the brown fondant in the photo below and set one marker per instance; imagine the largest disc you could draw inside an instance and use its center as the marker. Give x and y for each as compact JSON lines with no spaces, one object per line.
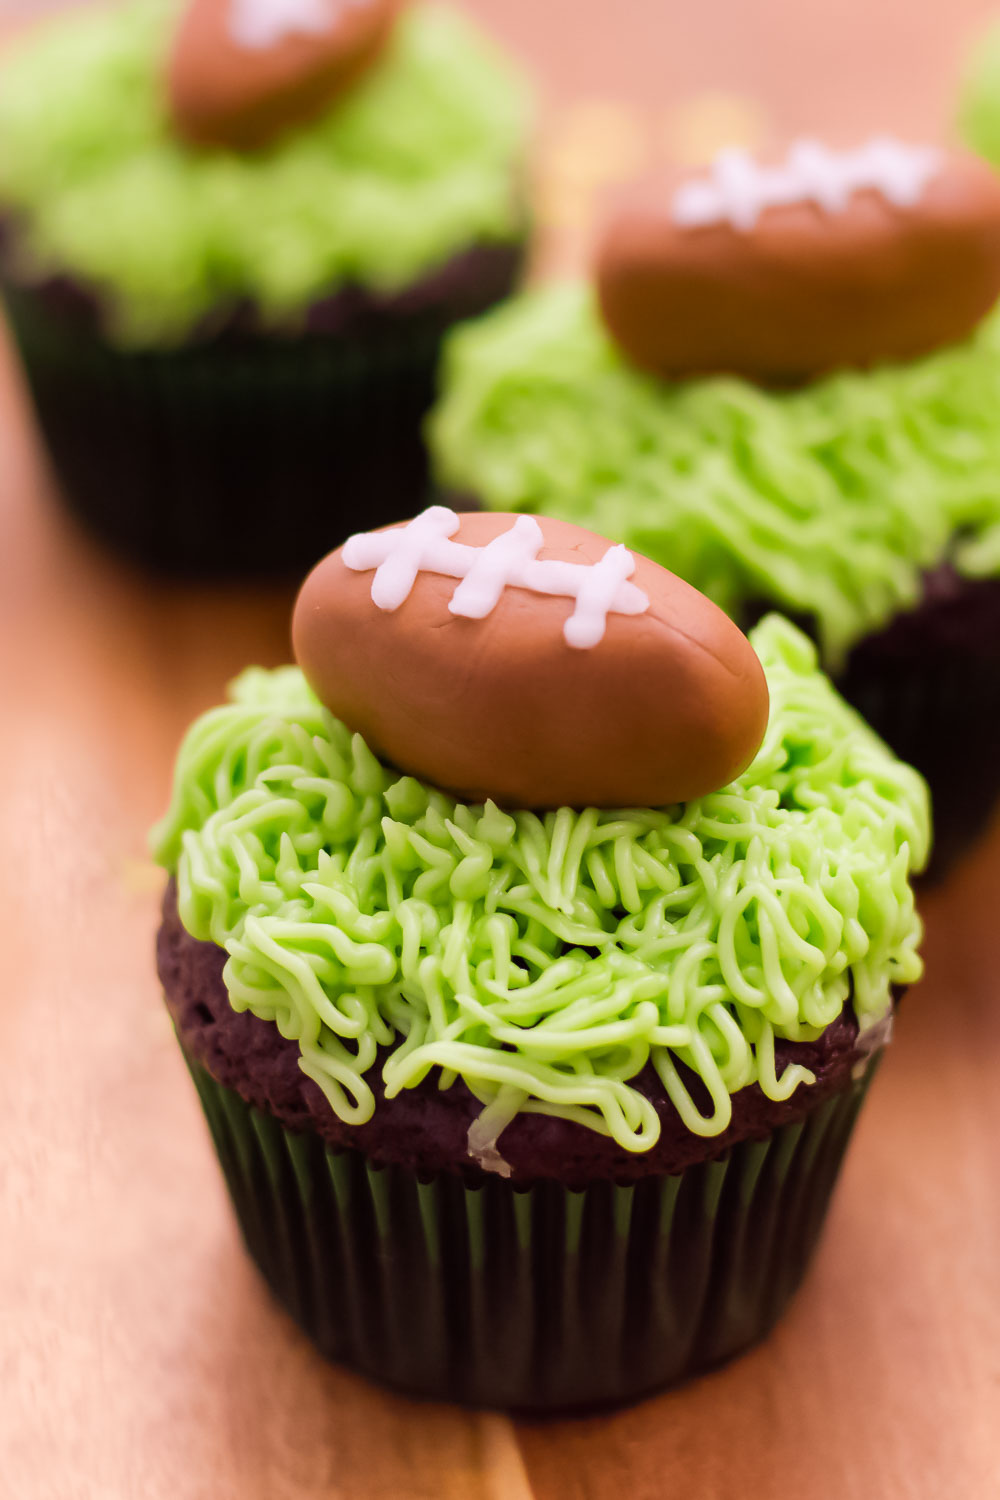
{"x":222,"y":93}
{"x":670,"y":704}
{"x":805,"y":291}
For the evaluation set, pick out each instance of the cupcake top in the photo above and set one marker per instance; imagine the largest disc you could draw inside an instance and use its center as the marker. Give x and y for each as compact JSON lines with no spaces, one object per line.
{"x":696,"y":403}
{"x":545,"y":958}
{"x":407,"y":155}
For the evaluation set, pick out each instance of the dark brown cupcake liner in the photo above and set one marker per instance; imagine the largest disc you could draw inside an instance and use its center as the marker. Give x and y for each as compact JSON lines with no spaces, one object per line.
{"x":244,"y":453}
{"x":929,"y":685}
{"x":529,"y":1298}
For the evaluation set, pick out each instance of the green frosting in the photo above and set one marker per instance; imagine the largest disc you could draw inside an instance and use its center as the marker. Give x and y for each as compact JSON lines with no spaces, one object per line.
{"x":420,"y":160}
{"x":827,"y":501}
{"x":546,"y":959}
{"x":979,"y":99}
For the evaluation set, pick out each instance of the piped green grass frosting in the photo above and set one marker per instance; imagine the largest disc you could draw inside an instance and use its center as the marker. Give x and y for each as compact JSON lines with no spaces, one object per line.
{"x":546,"y":959}
{"x":827,"y":501}
{"x":418,"y":162}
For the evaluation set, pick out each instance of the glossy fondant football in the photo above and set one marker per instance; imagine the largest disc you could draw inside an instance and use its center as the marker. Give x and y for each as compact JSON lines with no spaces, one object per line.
{"x":242,"y":72}
{"x":824,"y":261}
{"x":530,"y":661}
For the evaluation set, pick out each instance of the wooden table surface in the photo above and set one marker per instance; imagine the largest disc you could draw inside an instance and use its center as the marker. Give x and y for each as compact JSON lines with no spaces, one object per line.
{"x":139,"y":1356}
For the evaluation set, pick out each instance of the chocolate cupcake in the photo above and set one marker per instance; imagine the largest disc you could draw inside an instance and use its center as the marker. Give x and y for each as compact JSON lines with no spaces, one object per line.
{"x":232,"y":235}
{"x":785,"y":386}
{"x":532,"y":945}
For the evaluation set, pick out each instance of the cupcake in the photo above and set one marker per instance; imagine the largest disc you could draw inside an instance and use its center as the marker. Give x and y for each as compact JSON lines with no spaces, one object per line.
{"x":784,"y":385}
{"x":232,"y":235}
{"x":532,"y":944}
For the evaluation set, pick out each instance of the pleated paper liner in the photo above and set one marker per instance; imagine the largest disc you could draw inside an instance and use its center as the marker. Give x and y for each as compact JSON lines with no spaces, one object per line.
{"x":241,"y":455}
{"x":531,"y":1299}
{"x":929,"y":684}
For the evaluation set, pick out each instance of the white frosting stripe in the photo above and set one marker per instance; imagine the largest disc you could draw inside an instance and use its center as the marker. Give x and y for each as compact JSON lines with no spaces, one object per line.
{"x":257,"y":25}
{"x":599,"y":590}
{"x":493,"y":566}
{"x":738,"y":188}
{"x":510,"y":559}
{"x":398,"y":556}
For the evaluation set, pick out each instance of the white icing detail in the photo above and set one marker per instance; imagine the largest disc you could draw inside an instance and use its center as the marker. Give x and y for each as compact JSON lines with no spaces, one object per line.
{"x":257,"y":25}
{"x":510,"y":559}
{"x":480,"y":590}
{"x":738,"y":188}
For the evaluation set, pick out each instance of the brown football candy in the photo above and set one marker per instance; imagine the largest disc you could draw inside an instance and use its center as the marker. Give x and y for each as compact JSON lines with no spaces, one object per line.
{"x":824,"y":261}
{"x":530,"y":661}
{"x":243,"y":72}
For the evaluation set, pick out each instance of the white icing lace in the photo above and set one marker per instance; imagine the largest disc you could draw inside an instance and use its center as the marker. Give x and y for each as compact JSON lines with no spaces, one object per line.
{"x":738,"y":188}
{"x":510,"y":559}
{"x":260,"y":24}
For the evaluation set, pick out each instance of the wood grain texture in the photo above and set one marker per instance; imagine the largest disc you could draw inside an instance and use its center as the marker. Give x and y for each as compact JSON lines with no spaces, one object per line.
{"x":140,"y":1358}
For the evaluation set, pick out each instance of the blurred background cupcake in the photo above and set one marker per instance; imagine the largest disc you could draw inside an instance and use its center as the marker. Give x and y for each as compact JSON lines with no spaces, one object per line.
{"x":533,"y":1092}
{"x":785,"y":386}
{"x":233,"y":232}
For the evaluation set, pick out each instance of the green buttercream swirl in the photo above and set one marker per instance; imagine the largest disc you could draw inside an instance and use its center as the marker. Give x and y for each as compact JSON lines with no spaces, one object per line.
{"x":419,"y":161}
{"x":826,"y":501}
{"x":546,"y":959}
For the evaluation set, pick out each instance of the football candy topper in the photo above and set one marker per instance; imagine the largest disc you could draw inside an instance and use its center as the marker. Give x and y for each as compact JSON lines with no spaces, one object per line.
{"x":530,"y":661}
{"x":242,"y":72}
{"x":822,"y":261}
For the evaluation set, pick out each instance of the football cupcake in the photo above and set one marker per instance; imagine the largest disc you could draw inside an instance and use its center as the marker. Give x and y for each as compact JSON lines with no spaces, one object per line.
{"x":784,"y":386}
{"x":531,"y":945}
{"x":232,"y":233}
